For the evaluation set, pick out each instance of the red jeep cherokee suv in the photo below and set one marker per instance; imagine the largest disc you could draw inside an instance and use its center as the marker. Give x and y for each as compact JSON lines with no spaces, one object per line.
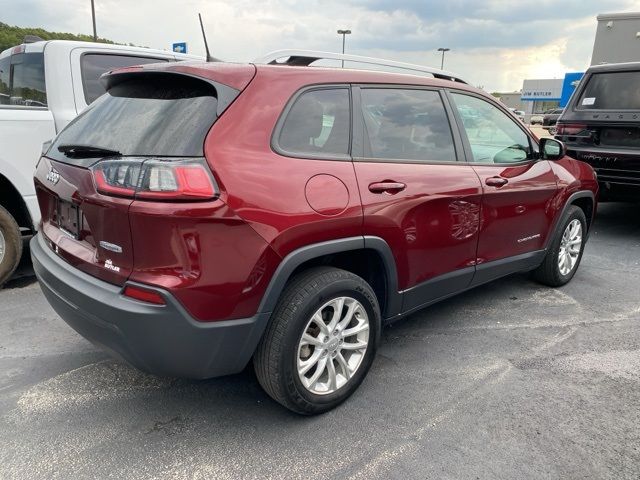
{"x":199,"y":216}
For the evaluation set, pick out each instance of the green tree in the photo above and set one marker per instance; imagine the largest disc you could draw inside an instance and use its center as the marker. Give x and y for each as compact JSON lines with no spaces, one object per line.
{"x":11,"y":36}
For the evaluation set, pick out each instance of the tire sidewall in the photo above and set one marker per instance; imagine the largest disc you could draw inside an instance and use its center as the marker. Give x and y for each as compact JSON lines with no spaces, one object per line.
{"x":344,"y":287}
{"x":13,"y":245}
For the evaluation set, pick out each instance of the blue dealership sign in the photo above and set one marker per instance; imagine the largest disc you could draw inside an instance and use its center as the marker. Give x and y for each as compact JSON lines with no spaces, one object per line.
{"x":571,"y":81}
{"x":180,"y":47}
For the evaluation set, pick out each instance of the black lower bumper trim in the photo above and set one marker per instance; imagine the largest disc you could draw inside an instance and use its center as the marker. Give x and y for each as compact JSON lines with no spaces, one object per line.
{"x":160,"y":339}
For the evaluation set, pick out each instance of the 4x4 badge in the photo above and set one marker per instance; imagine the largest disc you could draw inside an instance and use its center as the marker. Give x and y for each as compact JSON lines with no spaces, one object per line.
{"x":53,"y":176}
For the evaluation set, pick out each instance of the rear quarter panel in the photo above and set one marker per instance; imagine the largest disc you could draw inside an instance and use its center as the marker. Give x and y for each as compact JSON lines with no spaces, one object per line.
{"x":269,"y":190}
{"x":213,"y":262}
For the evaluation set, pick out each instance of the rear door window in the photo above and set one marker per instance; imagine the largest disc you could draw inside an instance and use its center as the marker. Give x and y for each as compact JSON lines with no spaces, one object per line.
{"x":317,"y":125}
{"x":93,"y":65}
{"x":22,"y":80}
{"x":611,"y":91}
{"x":407,"y":124}
{"x":5,"y":90}
{"x":148,"y":115}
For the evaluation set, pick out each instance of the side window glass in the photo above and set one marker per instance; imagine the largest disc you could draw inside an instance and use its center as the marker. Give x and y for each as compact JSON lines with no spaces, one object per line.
{"x":318,"y":123}
{"x":27,"y":80}
{"x":5,"y":92}
{"x":494,"y":137}
{"x":407,"y":125}
{"x":93,"y":65}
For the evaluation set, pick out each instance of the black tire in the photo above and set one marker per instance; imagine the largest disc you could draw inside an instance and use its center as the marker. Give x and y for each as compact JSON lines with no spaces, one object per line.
{"x":276,"y":356}
{"x":549,"y":272}
{"x":12,"y":245}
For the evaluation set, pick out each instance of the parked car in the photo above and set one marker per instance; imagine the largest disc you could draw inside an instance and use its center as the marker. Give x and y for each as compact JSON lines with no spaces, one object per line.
{"x":43,"y":86}
{"x":518,"y":113}
{"x":601,"y":126}
{"x":550,"y":118}
{"x":537,"y":119}
{"x":197,"y":217}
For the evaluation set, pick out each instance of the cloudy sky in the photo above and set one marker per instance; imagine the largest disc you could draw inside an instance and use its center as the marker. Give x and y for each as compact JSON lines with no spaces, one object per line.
{"x":494,"y":43}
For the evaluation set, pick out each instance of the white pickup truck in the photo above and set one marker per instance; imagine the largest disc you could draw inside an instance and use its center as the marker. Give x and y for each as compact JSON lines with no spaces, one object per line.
{"x":43,"y":86}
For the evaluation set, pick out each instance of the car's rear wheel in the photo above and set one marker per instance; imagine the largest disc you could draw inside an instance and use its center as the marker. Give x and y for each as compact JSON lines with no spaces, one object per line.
{"x":320,"y":342}
{"x":565,"y":251}
{"x":10,"y":245}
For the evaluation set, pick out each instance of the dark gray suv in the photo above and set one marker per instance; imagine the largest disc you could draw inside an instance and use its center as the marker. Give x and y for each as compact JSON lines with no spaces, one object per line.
{"x":601,"y":126}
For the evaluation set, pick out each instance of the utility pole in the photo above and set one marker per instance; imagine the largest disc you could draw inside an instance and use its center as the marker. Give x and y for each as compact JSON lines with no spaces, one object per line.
{"x":441,"y":49}
{"x":93,"y":17}
{"x":344,"y":33}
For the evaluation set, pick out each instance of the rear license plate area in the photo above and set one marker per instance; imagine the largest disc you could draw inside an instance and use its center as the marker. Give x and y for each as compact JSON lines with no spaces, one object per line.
{"x":68,"y":218}
{"x":620,"y":137}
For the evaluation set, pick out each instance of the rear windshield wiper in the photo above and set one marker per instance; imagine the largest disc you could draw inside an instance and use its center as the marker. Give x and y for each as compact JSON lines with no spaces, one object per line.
{"x":87,"y":151}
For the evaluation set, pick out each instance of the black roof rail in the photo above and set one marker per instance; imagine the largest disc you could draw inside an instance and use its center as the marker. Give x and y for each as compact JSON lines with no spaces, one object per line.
{"x":307,"y":57}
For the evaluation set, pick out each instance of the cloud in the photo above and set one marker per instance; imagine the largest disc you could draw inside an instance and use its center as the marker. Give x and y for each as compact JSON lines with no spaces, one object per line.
{"x":495,"y":43}
{"x":503,"y":11}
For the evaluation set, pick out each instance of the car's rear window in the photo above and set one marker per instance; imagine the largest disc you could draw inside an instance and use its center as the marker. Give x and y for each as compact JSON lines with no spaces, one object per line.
{"x":93,"y":65}
{"x":611,"y":91}
{"x":153,"y":115}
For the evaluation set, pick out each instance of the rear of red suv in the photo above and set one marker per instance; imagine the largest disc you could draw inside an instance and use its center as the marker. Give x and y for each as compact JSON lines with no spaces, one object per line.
{"x":134,"y":234}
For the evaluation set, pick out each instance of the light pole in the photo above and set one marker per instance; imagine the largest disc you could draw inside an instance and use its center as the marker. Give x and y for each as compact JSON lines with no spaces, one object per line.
{"x":344,"y":34}
{"x":441,"y":49}
{"x":93,"y":17}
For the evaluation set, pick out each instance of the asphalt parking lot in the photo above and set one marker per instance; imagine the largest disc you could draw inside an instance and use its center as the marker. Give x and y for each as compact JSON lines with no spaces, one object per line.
{"x":511,"y":380}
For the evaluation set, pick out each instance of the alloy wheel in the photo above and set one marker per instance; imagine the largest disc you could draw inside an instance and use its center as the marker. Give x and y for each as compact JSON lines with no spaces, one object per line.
{"x":570,"y":246}
{"x":333,"y":345}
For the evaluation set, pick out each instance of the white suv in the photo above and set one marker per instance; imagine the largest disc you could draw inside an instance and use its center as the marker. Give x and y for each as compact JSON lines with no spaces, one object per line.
{"x":43,"y":86}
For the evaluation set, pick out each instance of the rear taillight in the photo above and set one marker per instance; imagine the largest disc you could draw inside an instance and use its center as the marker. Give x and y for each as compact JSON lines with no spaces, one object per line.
{"x":155,"y":179}
{"x":570,"y":128}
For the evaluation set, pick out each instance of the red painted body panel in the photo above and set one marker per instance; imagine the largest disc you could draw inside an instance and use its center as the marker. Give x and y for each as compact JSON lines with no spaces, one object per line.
{"x":105,"y":218}
{"x":432,"y":225}
{"x":211,"y":260}
{"x":573,"y":176}
{"x":516,"y":217}
{"x":266,"y":189}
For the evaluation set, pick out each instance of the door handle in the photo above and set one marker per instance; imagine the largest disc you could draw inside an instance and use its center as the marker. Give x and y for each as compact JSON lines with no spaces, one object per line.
{"x":496,"y":181}
{"x":387,"y":187}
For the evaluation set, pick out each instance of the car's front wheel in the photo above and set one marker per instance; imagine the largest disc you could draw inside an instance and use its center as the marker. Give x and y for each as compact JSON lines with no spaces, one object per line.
{"x":565,"y":251}
{"x":320,"y":342}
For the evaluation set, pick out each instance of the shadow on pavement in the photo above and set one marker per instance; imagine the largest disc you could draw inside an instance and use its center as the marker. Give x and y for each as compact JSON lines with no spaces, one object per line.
{"x":619,"y":219}
{"x":24,"y":274}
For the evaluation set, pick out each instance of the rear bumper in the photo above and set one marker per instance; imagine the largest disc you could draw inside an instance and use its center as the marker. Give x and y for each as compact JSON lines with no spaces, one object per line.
{"x":160,"y":339}
{"x":618,"y":170}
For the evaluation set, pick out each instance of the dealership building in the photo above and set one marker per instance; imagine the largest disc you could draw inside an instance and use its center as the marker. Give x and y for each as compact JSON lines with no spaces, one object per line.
{"x":617,"y":40}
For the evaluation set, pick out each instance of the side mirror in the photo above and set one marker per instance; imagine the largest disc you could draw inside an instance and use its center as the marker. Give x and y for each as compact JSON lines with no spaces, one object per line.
{"x":552,"y":149}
